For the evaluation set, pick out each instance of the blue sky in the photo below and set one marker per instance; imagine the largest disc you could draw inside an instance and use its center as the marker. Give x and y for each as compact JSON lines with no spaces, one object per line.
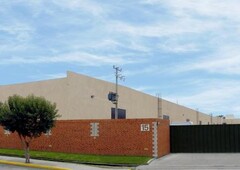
{"x":186,"y":50}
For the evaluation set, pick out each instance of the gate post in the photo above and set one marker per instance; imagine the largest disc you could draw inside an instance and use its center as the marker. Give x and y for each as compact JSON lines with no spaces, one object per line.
{"x":155,"y":139}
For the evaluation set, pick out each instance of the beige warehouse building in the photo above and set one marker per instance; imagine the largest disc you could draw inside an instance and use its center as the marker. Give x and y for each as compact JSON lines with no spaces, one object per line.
{"x":82,"y":97}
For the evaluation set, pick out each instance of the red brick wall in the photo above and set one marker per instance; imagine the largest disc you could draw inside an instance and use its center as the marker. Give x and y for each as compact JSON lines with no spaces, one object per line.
{"x":116,"y":137}
{"x":163,"y":138}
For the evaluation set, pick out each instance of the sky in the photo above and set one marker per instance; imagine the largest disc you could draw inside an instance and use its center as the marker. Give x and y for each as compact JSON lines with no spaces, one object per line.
{"x":186,"y":51}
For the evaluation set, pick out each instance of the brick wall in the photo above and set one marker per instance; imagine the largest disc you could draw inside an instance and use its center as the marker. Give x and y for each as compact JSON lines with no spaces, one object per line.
{"x":115,"y":137}
{"x":163,"y":138}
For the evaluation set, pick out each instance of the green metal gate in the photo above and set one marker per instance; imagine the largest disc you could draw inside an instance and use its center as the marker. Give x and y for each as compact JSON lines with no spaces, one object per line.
{"x":205,"y":139}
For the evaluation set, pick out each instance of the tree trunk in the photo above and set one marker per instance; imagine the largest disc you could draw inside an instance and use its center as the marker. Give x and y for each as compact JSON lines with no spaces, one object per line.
{"x":25,"y":144}
{"x":27,"y":155}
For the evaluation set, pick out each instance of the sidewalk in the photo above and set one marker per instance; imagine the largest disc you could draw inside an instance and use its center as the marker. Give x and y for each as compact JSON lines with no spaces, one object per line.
{"x":53,"y":165}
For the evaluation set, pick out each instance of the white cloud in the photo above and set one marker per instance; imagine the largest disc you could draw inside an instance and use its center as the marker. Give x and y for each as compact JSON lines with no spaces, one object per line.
{"x":90,"y":7}
{"x":150,"y":69}
{"x":20,"y":31}
{"x":113,"y":45}
{"x":209,"y":8}
{"x":82,"y":58}
{"x":212,"y":96}
{"x":223,"y":61}
{"x":178,"y":48}
{"x":171,"y":28}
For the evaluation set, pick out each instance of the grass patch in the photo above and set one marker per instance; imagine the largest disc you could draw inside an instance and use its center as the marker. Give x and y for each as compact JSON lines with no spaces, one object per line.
{"x":80,"y":158}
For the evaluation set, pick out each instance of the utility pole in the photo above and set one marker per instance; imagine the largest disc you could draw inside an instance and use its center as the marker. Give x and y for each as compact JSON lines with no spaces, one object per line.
{"x":118,"y":70}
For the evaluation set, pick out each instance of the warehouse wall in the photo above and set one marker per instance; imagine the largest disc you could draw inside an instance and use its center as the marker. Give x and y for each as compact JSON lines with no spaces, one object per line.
{"x":178,"y":113}
{"x":82,"y":97}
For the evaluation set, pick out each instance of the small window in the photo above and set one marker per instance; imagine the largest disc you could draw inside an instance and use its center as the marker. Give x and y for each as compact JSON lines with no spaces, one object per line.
{"x":121,"y":113}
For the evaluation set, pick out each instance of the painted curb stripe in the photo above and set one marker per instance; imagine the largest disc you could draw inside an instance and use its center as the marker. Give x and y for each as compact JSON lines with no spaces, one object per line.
{"x":32,"y":165}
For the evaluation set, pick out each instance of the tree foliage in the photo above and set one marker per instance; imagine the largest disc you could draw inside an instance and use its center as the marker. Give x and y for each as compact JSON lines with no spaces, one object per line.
{"x":28,"y":116}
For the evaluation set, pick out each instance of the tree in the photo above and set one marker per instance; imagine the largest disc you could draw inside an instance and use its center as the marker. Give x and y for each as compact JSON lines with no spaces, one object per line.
{"x":28,"y":116}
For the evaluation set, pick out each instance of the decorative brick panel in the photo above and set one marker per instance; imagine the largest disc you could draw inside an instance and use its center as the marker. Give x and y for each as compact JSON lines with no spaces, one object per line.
{"x":115,"y":137}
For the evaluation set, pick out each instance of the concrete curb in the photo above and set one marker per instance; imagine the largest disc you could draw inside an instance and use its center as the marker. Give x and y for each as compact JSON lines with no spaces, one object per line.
{"x":151,"y":160}
{"x":32,"y":165}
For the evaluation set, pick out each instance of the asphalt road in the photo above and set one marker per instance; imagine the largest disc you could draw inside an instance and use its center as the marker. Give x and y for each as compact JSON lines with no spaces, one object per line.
{"x":195,"y":161}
